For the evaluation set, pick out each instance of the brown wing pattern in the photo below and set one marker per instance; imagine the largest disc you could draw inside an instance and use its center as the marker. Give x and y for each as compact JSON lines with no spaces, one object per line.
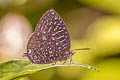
{"x":53,"y":24}
{"x":49,"y":41}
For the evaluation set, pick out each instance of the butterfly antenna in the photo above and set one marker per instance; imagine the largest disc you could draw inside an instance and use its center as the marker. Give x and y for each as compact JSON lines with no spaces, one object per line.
{"x":81,"y":49}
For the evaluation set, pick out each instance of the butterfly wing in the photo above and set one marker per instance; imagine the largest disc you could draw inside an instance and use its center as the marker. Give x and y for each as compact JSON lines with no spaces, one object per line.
{"x":53,"y":24}
{"x":49,"y":41}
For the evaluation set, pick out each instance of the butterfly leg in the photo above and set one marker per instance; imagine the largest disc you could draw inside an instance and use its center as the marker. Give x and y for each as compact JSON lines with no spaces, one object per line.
{"x":54,"y":63}
{"x":71,"y":61}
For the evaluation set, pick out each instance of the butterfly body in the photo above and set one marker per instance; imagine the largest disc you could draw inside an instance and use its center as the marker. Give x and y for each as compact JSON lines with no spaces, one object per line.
{"x":50,"y":42}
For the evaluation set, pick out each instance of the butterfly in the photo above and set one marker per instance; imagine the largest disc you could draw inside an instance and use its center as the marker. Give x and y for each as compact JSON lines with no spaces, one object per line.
{"x":50,"y":42}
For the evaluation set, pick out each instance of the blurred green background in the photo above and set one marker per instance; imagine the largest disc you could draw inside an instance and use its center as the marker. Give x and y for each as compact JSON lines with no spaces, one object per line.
{"x":91,"y":23}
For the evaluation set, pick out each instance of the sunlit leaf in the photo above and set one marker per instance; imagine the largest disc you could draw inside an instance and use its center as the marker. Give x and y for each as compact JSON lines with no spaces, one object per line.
{"x":17,"y":68}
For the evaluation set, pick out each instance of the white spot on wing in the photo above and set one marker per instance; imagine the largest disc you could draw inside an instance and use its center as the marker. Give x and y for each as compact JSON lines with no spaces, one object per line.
{"x":55,"y":29}
{"x":55,"y":23}
{"x":59,"y":27}
{"x":41,"y":48}
{"x":58,"y":32}
{"x":52,"y":13}
{"x":56,"y":17}
{"x":29,"y":51}
{"x":53,"y":38}
{"x":44,"y":38}
{"x":65,"y":36}
{"x":58,"y":24}
{"x":42,"y":27}
{"x":50,"y":22}
{"x":45,"y":27}
{"x":60,"y":21}
{"x":60,"y":37}
{"x":38,"y":33}
{"x":56,"y":43}
{"x":63,"y":27}
{"x":63,"y":40}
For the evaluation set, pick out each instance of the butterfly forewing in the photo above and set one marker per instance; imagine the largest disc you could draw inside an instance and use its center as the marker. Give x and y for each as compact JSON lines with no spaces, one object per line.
{"x":53,"y":24}
{"x":49,"y":41}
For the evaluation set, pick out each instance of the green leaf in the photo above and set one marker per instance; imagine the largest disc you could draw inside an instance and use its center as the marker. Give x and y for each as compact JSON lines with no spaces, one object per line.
{"x":17,"y":68}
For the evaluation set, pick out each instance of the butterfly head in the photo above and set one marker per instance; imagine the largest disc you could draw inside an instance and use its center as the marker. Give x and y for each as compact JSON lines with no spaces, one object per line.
{"x":69,"y":54}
